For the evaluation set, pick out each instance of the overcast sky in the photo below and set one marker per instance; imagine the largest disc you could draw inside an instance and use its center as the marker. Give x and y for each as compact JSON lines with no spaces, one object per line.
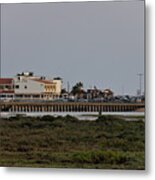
{"x":98,"y":43}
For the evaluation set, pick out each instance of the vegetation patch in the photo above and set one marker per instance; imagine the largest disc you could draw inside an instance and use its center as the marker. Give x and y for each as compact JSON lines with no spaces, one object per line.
{"x":110,"y":142}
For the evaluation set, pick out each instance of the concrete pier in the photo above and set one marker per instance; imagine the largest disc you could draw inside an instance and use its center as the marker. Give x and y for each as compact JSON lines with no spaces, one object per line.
{"x":69,"y":107}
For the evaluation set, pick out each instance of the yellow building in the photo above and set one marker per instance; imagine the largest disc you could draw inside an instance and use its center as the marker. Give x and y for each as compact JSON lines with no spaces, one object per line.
{"x":52,"y":89}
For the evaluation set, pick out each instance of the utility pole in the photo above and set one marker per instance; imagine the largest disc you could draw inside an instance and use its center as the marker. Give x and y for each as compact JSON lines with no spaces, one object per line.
{"x":140,"y":83}
{"x":122,"y":90}
{"x":68,"y":87}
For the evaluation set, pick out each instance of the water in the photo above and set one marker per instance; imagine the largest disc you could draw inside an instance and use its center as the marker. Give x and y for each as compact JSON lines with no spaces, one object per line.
{"x":79,"y":115}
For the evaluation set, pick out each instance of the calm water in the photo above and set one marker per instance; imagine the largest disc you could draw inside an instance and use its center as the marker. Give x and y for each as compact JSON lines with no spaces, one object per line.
{"x":79,"y":115}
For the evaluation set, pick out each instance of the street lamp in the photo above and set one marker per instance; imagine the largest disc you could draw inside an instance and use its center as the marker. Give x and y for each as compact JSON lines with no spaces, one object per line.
{"x":140,"y":83}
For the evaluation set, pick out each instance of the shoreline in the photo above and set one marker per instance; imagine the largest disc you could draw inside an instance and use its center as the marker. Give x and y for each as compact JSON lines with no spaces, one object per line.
{"x":81,"y":116}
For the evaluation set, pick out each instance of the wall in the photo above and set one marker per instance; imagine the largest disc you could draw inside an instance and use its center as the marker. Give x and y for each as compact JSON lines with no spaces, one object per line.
{"x":32,"y":86}
{"x":58,"y":86}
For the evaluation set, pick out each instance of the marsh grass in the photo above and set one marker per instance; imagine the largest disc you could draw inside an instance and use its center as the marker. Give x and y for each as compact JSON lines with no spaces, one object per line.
{"x":65,"y":142}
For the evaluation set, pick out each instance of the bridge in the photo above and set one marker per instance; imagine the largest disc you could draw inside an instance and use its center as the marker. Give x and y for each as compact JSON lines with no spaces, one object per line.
{"x":70,"y":107}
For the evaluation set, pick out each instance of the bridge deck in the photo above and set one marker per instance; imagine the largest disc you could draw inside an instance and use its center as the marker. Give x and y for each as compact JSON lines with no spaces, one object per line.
{"x":69,"y":107}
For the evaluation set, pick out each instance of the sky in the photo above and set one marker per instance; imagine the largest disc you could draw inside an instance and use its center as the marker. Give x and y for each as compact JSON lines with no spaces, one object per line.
{"x":98,"y":43}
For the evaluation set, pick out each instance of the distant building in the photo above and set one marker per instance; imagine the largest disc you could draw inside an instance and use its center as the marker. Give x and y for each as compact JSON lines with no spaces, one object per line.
{"x":6,"y":88}
{"x":28,"y":86}
{"x":108,"y":93}
{"x":94,"y":93}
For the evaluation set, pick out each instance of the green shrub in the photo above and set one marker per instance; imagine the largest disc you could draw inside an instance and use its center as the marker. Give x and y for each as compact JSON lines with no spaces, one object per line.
{"x":47,"y":118}
{"x":71,"y":119}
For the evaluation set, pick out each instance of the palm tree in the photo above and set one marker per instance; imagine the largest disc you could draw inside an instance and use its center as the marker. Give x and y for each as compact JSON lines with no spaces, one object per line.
{"x":77,"y":88}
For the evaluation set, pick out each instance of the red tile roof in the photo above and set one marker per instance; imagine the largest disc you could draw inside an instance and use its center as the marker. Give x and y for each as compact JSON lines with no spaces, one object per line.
{"x":6,"y":80}
{"x":43,"y":81}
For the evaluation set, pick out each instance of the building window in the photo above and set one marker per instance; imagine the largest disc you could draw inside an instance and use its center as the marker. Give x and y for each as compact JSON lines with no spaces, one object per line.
{"x":27,"y":96}
{"x":7,"y":87}
{"x":25,"y":87}
{"x":17,"y":86}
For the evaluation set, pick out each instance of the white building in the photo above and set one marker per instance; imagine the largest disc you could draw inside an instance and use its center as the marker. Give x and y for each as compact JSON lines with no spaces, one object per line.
{"x":28,"y":86}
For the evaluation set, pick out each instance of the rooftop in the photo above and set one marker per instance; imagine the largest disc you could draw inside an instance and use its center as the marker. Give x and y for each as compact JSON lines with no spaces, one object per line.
{"x":6,"y":80}
{"x":43,"y":81}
